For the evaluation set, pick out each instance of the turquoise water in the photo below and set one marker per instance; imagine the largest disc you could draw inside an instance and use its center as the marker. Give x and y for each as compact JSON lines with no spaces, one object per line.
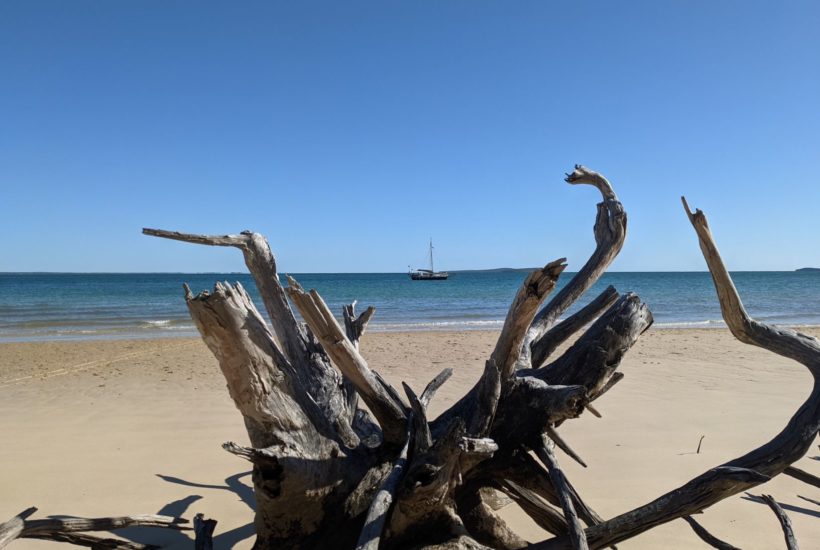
{"x":59,"y":306}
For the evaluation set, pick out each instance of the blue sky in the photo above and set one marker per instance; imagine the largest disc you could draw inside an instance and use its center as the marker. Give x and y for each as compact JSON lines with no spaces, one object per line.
{"x":351,"y":132}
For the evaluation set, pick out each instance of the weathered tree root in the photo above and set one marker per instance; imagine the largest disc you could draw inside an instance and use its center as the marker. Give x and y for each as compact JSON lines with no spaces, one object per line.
{"x":327,"y":474}
{"x":320,"y":461}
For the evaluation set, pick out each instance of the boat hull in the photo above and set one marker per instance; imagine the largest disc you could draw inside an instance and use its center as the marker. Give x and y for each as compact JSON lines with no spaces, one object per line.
{"x":427,"y":276}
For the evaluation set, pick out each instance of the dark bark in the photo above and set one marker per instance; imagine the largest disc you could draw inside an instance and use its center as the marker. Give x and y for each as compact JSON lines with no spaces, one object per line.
{"x":785,"y":522}
{"x":708,"y":537}
{"x":803,"y":476}
{"x":576,"y":531}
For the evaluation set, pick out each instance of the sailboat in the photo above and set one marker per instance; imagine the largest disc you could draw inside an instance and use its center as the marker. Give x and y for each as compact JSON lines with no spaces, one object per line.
{"x":429,"y":274}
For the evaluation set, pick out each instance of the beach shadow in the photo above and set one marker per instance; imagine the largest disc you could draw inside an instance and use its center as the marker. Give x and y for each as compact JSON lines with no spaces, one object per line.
{"x":232,"y":483}
{"x":227,"y":539}
{"x":788,"y":507}
{"x":161,"y":536}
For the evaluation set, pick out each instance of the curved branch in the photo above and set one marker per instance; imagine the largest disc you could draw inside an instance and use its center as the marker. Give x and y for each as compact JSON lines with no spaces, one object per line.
{"x":708,"y":537}
{"x":751,"y":469}
{"x":785,"y":522}
{"x":788,"y":343}
{"x":610,"y":232}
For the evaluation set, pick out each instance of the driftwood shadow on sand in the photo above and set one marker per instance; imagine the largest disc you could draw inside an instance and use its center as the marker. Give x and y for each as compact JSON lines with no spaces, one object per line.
{"x":790,"y":507}
{"x":167,"y":538}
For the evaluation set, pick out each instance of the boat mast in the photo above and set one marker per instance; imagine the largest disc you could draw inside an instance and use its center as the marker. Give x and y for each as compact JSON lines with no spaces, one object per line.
{"x":432,"y":269}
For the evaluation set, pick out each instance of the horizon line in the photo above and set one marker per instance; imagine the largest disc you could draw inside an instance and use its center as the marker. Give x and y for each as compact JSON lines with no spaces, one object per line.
{"x":488,"y":270}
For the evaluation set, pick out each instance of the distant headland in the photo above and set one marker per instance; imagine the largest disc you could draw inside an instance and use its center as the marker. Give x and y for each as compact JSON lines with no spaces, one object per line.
{"x":808,"y":269}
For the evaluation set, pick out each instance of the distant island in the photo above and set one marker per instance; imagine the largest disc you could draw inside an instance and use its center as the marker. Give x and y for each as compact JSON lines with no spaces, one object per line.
{"x":808,"y":269}
{"x":494,"y":270}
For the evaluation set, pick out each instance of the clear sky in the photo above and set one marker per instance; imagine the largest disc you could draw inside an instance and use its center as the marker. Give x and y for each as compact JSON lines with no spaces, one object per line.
{"x":351,"y":132}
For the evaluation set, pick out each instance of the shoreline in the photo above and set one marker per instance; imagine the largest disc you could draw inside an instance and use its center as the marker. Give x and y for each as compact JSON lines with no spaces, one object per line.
{"x":422,"y":328}
{"x":135,"y":426}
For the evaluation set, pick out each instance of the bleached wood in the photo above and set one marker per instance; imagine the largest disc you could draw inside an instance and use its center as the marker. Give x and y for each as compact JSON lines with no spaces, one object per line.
{"x":12,"y":528}
{"x":531,"y":294}
{"x":390,"y":413}
{"x":72,"y":530}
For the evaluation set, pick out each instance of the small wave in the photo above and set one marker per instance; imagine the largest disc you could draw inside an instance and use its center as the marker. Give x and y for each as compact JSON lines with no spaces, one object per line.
{"x":167,"y":324}
{"x":158,"y":323}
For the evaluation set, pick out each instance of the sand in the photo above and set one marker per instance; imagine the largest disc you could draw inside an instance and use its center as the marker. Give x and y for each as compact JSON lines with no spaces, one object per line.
{"x":120,"y":427}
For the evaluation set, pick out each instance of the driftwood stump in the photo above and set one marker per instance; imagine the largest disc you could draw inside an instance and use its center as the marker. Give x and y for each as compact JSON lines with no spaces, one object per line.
{"x":329,"y":473}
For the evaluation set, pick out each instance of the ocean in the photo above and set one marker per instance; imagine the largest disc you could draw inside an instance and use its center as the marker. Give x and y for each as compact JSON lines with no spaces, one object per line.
{"x":67,"y":306}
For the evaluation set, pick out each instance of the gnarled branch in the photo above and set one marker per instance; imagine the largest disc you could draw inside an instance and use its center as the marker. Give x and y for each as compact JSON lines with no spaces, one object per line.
{"x":610,"y":232}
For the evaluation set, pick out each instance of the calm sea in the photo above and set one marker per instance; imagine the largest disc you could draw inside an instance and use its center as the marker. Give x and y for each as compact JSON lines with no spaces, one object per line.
{"x":60,"y":306}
